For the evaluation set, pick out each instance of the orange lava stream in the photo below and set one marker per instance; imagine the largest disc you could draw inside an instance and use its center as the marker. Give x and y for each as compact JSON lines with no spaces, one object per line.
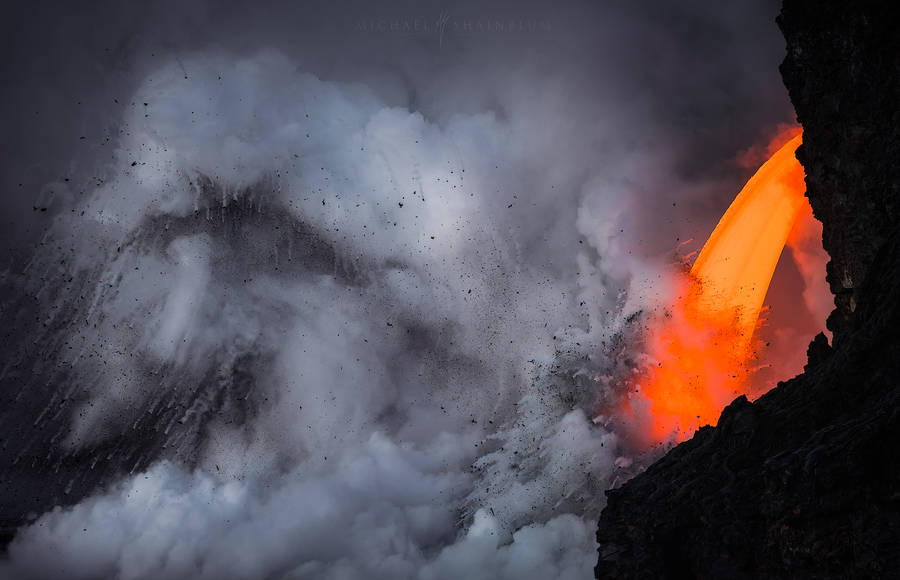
{"x":702,"y":350}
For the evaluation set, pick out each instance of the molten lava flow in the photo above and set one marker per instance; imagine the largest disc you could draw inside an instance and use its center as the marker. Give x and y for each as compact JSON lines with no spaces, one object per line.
{"x":739,"y":258}
{"x":702,"y":349}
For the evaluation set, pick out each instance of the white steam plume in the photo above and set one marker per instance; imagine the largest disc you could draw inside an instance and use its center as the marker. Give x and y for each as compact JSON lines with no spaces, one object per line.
{"x":403,"y":415}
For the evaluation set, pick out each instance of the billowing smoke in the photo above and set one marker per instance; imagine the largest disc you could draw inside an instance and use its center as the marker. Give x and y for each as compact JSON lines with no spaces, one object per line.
{"x":325,"y":290}
{"x":297,"y":327}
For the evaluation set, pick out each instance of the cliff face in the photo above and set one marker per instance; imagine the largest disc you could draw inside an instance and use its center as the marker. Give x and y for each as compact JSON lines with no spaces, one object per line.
{"x":805,"y":482}
{"x":842,"y":71}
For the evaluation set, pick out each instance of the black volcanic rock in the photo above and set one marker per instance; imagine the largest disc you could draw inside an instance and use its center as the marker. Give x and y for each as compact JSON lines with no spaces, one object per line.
{"x":842,"y":71}
{"x":804,"y":482}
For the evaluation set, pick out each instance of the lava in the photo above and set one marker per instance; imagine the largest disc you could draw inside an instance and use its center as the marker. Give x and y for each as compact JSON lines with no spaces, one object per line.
{"x":702,"y":351}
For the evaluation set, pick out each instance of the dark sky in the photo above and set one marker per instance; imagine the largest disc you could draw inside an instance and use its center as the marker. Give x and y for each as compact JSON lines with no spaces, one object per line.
{"x":703,"y":74}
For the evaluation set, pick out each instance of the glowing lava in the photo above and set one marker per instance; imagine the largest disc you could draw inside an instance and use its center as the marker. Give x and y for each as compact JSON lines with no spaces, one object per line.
{"x":739,"y":258}
{"x":702,"y":350}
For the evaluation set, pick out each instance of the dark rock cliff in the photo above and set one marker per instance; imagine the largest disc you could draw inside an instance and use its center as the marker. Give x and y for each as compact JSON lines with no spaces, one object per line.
{"x":842,"y":71}
{"x":805,"y":482}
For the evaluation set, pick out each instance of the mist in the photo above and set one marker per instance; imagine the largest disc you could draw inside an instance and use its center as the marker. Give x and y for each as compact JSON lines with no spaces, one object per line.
{"x":336,"y":292}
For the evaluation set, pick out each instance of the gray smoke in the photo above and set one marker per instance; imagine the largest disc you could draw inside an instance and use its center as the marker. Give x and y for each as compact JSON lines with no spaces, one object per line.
{"x":394,"y":334}
{"x":357,"y":324}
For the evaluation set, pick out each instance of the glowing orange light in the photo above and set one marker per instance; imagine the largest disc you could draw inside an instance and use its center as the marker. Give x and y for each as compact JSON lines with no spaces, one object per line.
{"x":702,"y":349}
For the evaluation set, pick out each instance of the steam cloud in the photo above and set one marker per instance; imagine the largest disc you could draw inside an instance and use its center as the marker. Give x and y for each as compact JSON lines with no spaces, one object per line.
{"x":369,"y":341}
{"x":395,"y":334}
